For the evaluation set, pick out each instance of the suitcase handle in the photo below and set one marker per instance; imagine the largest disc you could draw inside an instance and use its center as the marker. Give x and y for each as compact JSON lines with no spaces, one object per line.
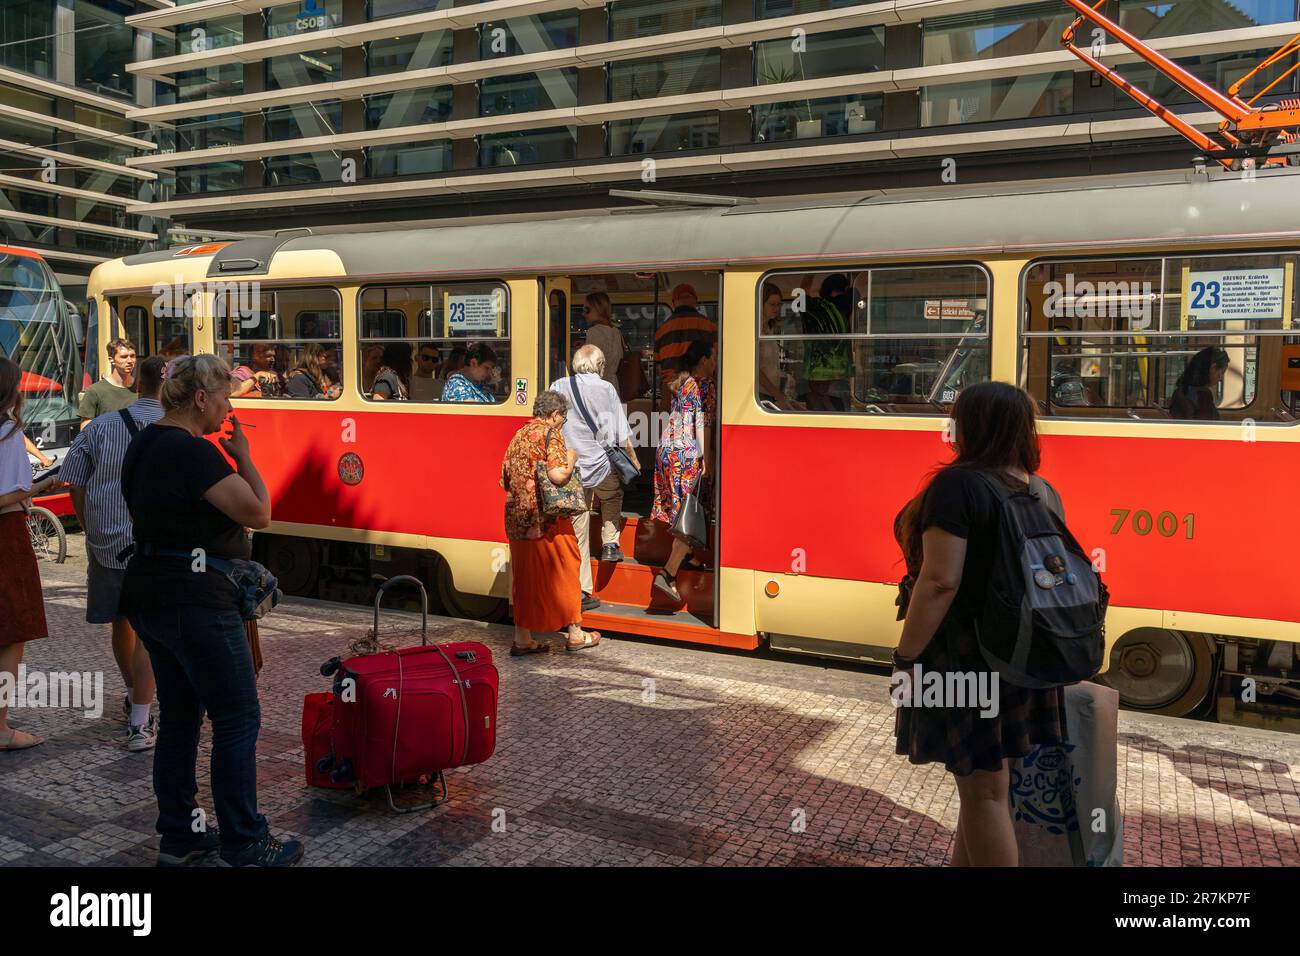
{"x":424,"y":604}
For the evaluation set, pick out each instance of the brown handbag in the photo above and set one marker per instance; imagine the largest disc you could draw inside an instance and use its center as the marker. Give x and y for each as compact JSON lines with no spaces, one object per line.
{"x":632,"y":383}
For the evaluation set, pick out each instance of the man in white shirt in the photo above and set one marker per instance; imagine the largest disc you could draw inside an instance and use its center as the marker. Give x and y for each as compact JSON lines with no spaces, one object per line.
{"x":598,"y":477}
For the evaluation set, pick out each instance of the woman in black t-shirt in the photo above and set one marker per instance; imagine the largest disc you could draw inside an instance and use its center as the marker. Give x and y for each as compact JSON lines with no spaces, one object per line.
{"x":189,"y":506}
{"x":949,"y":534}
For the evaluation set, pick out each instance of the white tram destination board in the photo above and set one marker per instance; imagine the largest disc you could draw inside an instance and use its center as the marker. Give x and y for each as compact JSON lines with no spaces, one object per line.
{"x":472,"y":313}
{"x":1233,"y":294}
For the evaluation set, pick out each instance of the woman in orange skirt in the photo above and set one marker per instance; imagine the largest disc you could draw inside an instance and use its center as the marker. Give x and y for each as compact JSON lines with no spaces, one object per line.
{"x":22,"y":606}
{"x":544,"y":559}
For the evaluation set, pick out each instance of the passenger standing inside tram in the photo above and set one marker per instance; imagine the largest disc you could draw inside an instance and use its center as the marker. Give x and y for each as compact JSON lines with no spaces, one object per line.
{"x":392,"y":381}
{"x":685,"y":454}
{"x":827,"y":361}
{"x":93,"y":467}
{"x":187,"y":505}
{"x":599,"y":313}
{"x":543,"y":550}
{"x":949,"y":536}
{"x":22,"y":604}
{"x":1195,"y":396}
{"x":770,"y":385}
{"x":686,"y":326}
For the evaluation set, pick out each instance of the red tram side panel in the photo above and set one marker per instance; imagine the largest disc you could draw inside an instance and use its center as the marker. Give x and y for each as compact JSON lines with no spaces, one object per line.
{"x":1185,"y":525}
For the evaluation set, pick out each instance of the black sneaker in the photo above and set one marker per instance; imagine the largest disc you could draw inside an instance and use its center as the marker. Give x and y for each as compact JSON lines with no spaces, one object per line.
{"x":589,"y":601}
{"x":267,"y":851}
{"x":181,"y":853}
{"x":612,"y":552}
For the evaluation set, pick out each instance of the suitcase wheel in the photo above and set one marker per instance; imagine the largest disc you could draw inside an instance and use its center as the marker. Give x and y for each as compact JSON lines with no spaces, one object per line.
{"x":323,"y":765}
{"x":329,"y":667}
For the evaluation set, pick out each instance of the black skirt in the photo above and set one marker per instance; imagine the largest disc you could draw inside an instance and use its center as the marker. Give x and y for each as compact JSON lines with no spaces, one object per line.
{"x":962,"y":738}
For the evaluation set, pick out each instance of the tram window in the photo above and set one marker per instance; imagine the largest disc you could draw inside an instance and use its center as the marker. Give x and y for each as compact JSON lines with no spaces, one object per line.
{"x":901,"y":339}
{"x":157,"y":324}
{"x":282,"y":343}
{"x":1187,"y":338}
{"x":435,"y":343}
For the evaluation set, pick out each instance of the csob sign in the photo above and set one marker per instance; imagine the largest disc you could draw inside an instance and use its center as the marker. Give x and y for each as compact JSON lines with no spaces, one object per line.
{"x":313,"y":16}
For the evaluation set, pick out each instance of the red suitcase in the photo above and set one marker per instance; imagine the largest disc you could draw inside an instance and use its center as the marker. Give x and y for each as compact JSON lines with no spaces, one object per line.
{"x":317,"y":734}
{"x":403,"y":717}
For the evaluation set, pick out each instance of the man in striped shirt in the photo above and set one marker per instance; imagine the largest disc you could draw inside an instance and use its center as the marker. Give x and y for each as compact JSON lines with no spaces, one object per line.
{"x":684,"y":326}
{"x":93,"y":466}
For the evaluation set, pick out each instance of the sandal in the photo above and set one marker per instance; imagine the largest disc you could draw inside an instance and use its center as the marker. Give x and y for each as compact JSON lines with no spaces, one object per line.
{"x":27,"y":742}
{"x":589,"y":639}
{"x":537,"y":648}
{"x":690,"y":564}
{"x":668,"y":586}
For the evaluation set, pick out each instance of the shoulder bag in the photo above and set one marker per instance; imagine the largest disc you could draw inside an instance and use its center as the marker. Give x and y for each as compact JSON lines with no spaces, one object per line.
{"x":558,"y":501}
{"x":626,"y":467}
{"x":632,"y":382}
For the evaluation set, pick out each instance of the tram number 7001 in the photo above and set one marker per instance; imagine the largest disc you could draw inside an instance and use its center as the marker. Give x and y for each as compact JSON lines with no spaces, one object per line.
{"x":1166,"y":523}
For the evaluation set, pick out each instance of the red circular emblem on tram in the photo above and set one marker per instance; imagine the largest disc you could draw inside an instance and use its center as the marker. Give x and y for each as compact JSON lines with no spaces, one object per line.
{"x":350,"y":469}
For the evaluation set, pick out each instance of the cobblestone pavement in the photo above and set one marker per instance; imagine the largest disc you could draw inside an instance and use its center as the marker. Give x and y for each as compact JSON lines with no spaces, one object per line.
{"x":588,"y":772}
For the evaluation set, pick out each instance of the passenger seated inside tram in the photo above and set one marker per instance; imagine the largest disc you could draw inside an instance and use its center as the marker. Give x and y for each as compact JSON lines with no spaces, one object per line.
{"x":332,"y":381}
{"x":474,"y":382}
{"x":425,"y":384}
{"x":307,"y":378}
{"x":372,"y":356}
{"x":1195,"y":395}
{"x":393,"y":380}
{"x":257,"y":378}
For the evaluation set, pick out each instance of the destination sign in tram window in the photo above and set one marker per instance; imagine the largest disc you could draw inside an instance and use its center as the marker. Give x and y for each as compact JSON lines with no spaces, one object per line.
{"x":896,"y":340}
{"x":1184,"y":338}
{"x":282,"y":343}
{"x":435,"y":343}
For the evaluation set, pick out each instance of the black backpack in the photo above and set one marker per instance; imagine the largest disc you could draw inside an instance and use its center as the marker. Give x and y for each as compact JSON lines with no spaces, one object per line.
{"x":1043,"y":623}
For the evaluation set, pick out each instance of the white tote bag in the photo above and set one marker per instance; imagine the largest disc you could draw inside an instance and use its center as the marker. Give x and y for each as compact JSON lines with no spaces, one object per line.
{"x":1063,"y":797}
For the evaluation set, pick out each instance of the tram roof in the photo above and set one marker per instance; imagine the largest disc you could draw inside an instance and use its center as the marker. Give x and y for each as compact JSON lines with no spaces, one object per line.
{"x":950,"y":223}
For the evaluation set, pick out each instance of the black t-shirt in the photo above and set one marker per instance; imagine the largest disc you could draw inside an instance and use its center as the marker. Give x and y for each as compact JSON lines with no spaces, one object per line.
{"x":165,"y":474}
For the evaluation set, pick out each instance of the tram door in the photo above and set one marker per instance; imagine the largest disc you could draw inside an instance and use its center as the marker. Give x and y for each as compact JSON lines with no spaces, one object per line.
{"x":639,"y":305}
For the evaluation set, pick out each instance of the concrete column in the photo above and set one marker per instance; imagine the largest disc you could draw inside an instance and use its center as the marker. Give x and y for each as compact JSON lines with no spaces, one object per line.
{"x":254,"y":82}
{"x":736,"y":127}
{"x":902,"y":109}
{"x":592,"y":90}
{"x":65,"y":42}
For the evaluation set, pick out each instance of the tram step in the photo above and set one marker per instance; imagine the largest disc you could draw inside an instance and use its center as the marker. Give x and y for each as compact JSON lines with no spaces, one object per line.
{"x":676,"y":626}
{"x":642,"y":540}
{"x":632,"y":583}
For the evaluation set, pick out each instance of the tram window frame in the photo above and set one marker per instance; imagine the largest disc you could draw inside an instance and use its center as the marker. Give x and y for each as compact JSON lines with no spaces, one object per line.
{"x":1163,"y":325}
{"x":330,"y":343}
{"x":150,"y":328}
{"x":856,"y":406}
{"x":500,"y":342}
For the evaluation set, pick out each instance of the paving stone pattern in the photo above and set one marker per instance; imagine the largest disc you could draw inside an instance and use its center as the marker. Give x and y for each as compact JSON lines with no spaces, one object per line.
{"x":633,"y":753}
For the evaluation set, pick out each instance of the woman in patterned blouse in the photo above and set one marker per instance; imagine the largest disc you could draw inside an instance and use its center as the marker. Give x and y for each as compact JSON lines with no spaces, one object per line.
{"x":544,"y":586}
{"x":473,"y":383}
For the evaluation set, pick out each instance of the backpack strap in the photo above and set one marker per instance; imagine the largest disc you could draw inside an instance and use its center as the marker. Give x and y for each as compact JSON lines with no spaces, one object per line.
{"x":131,"y":427}
{"x":1040,"y":487}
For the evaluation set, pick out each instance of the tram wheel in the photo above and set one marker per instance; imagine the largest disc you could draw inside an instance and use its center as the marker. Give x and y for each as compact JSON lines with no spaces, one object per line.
{"x":1161,"y":671}
{"x":296,"y":562}
{"x":477,"y":607}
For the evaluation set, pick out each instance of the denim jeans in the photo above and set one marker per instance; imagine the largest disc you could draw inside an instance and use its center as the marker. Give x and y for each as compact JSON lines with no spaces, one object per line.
{"x":201,"y":661}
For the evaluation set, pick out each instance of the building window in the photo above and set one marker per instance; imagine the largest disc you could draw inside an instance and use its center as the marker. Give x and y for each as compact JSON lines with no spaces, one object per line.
{"x":895,"y":340}
{"x":769,"y":9}
{"x":27,"y":27}
{"x":528,"y":92}
{"x":809,"y":119}
{"x":302,"y":168}
{"x":523,"y":35}
{"x":1007,"y":98}
{"x":528,"y":147}
{"x":418,"y":52}
{"x":379,"y":9}
{"x":281,"y":344}
{"x":433,"y":157}
{"x":661,"y":134}
{"x":665,"y":76}
{"x":435,"y":343}
{"x":304,"y":69}
{"x":991,"y":34}
{"x":1204,"y":338}
{"x":630,"y":19}
{"x":224,"y":80}
{"x":1149,"y":19}
{"x":827,"y":54}
{"x":299,"y":120}
{"x":209,"y":177}
{"x":104,"y":46}
{"x":295,"y":19}
{"x":209,"y":34}
{"x":1220,"y":70}
{"x":408,"y":108}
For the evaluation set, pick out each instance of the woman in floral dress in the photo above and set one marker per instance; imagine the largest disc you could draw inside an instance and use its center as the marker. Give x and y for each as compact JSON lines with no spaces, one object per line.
{"x":684,"y":453}
{"x":544,"y":586}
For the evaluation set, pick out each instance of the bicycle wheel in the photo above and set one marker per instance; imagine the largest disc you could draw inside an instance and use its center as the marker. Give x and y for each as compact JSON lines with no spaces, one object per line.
{"x":49,"y":540}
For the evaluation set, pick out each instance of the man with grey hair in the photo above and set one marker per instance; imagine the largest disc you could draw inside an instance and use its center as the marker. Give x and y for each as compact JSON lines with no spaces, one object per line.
{"x":587,"y":389}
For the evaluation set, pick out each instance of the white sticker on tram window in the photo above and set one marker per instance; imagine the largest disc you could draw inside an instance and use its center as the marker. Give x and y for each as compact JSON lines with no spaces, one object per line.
{"x":1232,"y":294}
{"x":472,"y":313}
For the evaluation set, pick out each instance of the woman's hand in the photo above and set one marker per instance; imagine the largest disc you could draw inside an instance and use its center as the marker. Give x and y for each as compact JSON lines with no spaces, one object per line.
{"x":573,"y":457}
{"x":236,"y":445}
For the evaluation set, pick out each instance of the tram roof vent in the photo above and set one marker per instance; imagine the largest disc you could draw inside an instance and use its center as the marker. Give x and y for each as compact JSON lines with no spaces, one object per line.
{"x":246,"y":256}
{"x":658,"y":197}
